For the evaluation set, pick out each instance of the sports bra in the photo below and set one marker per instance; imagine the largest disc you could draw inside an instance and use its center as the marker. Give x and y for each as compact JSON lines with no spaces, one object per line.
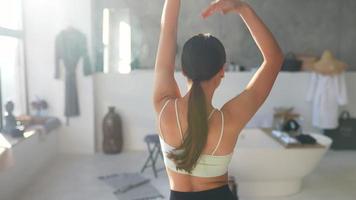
{"x":207,"y":165}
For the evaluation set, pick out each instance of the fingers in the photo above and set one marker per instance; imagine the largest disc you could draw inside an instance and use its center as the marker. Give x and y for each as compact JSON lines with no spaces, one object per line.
{"x":207,"y":12}
{"x":227,"y":10}
{"x":214,"y":7}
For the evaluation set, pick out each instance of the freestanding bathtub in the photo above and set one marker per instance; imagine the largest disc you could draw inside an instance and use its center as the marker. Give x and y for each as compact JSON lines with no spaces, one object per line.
{"x":264,"y":167}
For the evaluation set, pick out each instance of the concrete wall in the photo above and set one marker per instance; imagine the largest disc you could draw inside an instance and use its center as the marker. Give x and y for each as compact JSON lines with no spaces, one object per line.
{"x":43,"y":21}
{"x":132,"y":96}
{"x":301,"y":26}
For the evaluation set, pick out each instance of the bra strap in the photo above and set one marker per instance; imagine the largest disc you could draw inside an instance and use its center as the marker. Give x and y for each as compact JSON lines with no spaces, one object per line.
{"x":179,"y":127}
{"x":159,"y":118}
{"x":177,"y":116}
{"x":211,"y":114}
{"x":221,"y":133}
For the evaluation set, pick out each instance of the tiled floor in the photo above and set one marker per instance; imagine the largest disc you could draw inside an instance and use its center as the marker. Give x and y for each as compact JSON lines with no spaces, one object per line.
{"x":75,"y":178}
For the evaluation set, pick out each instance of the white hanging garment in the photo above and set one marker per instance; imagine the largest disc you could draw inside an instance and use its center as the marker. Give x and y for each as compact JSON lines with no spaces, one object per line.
{"x":327,"y":93}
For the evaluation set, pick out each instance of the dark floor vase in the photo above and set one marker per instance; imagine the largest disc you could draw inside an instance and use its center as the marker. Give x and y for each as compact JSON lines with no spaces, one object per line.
{"x":112,"y":129}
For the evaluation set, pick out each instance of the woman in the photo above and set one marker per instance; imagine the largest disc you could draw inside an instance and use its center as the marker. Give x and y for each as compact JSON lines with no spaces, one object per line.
{"x":197,"y":139}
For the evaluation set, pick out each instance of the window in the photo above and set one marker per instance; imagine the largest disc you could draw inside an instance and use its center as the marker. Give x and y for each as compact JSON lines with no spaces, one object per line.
{"x":124,"y":48}
{"x":117,"y":41}
{"x":11,"y":57}
{"x":11,"y":14}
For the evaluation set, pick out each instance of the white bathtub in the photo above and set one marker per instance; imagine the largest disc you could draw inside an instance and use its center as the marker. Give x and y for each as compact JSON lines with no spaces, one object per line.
{"x":263,"y":167}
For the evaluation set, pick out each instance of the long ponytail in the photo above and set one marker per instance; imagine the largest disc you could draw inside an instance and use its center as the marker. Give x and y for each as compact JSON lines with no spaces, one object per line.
{"x":196,"y":136}
{"x":203,"y":56}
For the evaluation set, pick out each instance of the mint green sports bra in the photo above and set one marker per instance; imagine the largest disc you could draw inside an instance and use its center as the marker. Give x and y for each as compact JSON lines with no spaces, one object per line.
{"x":207,"y":165}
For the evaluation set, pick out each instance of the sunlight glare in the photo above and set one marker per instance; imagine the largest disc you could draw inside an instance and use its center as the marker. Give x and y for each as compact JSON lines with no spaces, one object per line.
{"x":125,"y":48}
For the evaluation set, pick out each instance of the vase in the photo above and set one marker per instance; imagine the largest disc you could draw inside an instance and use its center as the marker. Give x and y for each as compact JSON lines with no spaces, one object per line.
{"x":112,"y":130}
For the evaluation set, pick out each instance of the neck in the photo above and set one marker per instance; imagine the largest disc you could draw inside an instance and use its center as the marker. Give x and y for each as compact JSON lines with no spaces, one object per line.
{"x":208,"y":89}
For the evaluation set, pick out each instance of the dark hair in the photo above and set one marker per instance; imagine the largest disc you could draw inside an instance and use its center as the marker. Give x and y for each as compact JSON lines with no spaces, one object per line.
{"x":203,"y":57}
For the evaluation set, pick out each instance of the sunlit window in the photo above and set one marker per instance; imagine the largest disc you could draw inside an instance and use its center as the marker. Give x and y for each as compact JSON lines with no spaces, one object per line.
{"x":11,"y":14}
{"x":125,"y":48}
{"x":10,"y":66}
{"x":106,"y":38}
{"x":11,"y":57}
{"x":116,"y":41}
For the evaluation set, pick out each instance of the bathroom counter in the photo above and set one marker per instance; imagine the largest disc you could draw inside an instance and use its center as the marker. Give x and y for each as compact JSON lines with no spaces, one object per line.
{"x":34,"y":125}
{"x":268,"y":132}
{"x":6,"y":160}
{"x":28,"y":156}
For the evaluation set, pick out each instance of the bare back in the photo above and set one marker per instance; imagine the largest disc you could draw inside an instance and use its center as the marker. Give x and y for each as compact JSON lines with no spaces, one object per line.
{"x":237,"y":111}
{"x":171,"y":134}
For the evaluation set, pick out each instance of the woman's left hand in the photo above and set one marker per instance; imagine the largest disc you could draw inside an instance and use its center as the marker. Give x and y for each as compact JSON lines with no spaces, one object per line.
{"x":223,"y":6}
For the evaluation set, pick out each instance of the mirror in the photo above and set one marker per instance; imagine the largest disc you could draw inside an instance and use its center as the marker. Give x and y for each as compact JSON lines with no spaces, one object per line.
{"x":119,"y":46}
{"x":116,"y":40}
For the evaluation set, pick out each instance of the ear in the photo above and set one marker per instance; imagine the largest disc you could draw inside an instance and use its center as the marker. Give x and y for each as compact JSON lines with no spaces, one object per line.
{"x":222,"y":71}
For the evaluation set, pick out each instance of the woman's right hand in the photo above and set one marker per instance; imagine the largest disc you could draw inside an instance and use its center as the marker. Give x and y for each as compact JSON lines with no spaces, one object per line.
{"x":223,"y":6}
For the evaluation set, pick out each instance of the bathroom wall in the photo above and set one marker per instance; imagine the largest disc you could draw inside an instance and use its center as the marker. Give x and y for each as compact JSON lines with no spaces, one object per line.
{"x":301,"y":26}
{"x":308,"y":26}
{"x":132,"y":97}
{"x":43,"y":21}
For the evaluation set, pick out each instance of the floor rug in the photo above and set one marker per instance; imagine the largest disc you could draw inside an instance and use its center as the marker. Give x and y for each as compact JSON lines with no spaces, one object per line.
{"x":131,"y":186}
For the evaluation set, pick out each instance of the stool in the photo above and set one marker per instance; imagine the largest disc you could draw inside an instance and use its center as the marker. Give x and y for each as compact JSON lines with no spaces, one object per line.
{"x":154,"y":150}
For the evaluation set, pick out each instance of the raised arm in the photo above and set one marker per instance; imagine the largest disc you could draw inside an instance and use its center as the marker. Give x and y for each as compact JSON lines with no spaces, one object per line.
{"x":165,"y":85}
{"x":241,"y":109}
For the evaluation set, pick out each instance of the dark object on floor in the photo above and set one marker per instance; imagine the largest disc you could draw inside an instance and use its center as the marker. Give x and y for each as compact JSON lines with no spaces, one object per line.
{"x":220,"y":193}
{"x":124,"y":182}
{"x":291,"y":63}
{"x":344,"y":137}
{"x":154,"y":151}
{"x":233,"y":186}
{"x":112,"y":130}
{"x":70,"y":47}
{"x":305,"y":139}
{"x":131,"y":186}
{"x":142,"y":192}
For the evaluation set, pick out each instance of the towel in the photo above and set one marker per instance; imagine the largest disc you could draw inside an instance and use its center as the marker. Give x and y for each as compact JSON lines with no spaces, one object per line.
{"x":327,"y":93}
{"x":124,"y":182}
{"x":131,"y":186}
